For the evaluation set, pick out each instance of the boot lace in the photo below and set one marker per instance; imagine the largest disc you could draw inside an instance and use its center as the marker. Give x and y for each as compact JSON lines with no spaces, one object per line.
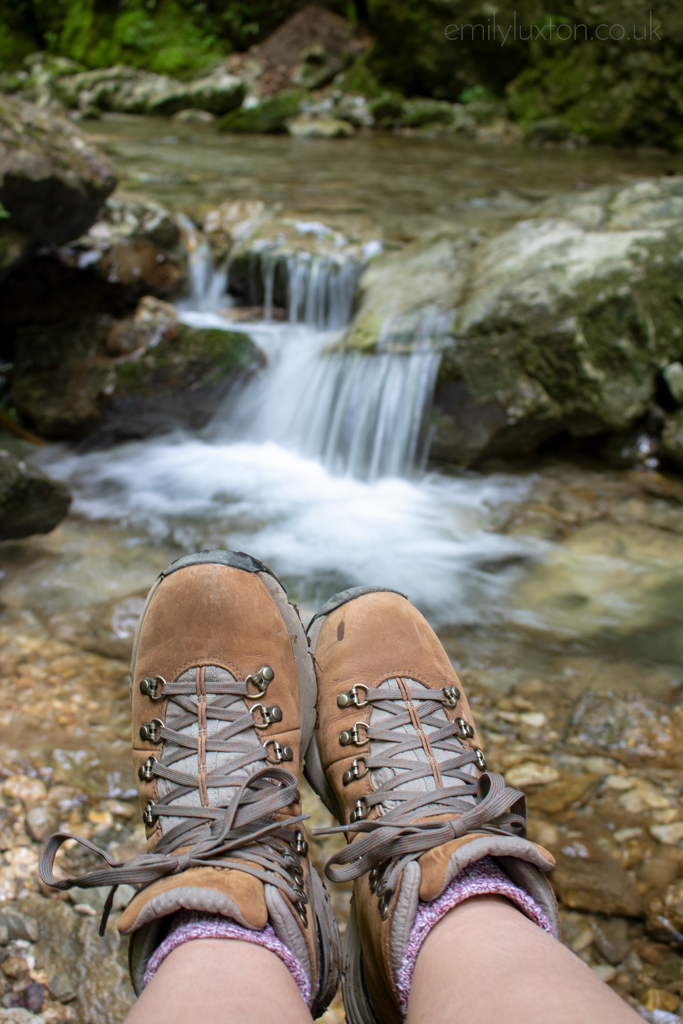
{"x":231,"y":815}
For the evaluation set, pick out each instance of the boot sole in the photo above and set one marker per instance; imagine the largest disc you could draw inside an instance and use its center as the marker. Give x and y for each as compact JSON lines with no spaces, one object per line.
{"x":328,"y":932}
{"x":357,"y":1005}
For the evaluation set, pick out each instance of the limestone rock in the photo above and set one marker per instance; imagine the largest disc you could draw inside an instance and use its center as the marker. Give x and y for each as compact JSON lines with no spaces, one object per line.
{"x":53,"y":180}
{"x":628,"y":727}
{"x":163,"y":374}
{"x":560,"y":324}
{"x":29,"y":501}
{"x":218,"y":94}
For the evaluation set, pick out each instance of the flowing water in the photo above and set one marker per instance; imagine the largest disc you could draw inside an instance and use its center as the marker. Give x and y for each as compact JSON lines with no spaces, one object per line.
{"x":317,"y":465}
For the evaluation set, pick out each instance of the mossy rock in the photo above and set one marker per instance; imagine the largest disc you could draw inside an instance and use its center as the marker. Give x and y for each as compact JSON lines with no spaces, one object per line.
{"x":164,"y":375}
{"x":387,"y":109}
{"x":267,"y":117}
{"x":671,"y":442}
{"x":424,"y":112}
{"x":30,"y":502}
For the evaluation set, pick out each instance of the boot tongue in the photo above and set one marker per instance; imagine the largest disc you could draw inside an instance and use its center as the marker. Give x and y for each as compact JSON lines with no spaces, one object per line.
{"x":426,"y":753}
{"x":212,"y":728}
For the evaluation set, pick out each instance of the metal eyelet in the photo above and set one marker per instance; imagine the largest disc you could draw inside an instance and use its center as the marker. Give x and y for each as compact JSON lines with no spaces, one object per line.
{"x":480,"y":759}
{"x":301,"y":912}
{"x":466,"y":730}
{"x":452,"y":695}
{"x":261,"y":680}
{"x":376,"y":877}
{"x":149,"y":731}
{"x":147,"y":815}
{"x":345,"y":699}
{"x":360,"y":811}
{"x":354,"y":772}
{"x":269,"y":715}
{"x":279,"y":753}
{"x":384,"y":904}
{"x":146,"y":770}
{"x":301,"y":845}
{"x":351,"y":736}
{"x":151,"y":685}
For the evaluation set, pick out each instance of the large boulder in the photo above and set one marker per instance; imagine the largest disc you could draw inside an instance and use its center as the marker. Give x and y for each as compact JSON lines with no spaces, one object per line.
{"x":112,"y":380}
{"x":53,"y":180}
{"x":30,"y":502}
{"x":561,"y":324}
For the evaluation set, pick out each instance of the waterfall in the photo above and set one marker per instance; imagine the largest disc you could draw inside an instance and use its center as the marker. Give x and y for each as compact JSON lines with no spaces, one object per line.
{"x":361,"y":415}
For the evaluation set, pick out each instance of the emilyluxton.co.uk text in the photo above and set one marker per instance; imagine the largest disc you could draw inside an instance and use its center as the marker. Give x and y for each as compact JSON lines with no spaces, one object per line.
{"x":551,"y":30}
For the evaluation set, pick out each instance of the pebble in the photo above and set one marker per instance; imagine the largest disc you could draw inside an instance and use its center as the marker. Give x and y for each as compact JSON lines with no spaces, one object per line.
{"x":529,"y":773}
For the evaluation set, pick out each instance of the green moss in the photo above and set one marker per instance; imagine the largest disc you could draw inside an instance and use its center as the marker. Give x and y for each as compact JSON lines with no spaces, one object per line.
{"x":359,"y":78}
{"x":267,"y":117}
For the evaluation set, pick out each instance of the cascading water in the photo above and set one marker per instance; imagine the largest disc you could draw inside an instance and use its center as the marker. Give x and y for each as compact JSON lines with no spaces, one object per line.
{"x":361,"y":415}
{"x":311,"y":466}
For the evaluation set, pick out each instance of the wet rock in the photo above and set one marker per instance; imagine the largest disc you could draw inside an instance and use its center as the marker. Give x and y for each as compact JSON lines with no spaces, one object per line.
{"x":218,"y":93}
{"x":53,"y":180}
{"x":268,"y":251}
{"x":167,"y":374}
{"x":589,"y":878}
{"x":665,"y":915}
{"x":41,"y":822}
{"x":62,"y":988}
{"x":628,"y":727}
{"x":30,"y":502}
{"x":611,"y":938}
{"x":18,"y":924}
{"x":107,"y":629}
{"x":306,"y":127}
{"x":268,"y":116}
{"x":32,"y":997}
{"x":673,"y":376}
{"x":19,"y":1015}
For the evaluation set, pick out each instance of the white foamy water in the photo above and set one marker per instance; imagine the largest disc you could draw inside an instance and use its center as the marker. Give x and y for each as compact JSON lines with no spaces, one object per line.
{"x":320,"y":532}
{"x":313,"y":466}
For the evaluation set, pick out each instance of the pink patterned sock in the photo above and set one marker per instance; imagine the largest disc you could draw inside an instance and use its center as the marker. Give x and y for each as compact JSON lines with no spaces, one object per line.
{"x":484,"y":877}
{"x":187,"y":925}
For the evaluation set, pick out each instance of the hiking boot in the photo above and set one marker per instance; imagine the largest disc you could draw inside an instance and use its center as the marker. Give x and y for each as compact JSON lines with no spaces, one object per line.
{"x":223,"y":695}
{"x":397,"y":761}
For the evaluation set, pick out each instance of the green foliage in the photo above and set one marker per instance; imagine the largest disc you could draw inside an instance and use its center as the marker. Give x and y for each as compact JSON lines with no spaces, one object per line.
{"x":3,"y":212}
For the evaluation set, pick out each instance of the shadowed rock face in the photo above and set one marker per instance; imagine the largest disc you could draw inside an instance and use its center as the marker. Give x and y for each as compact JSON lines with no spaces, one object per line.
{"x":53,"y":180}
{"x":29,"y":501}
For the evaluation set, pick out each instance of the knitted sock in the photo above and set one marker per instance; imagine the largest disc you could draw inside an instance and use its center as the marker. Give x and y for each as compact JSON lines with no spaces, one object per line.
{"x":187,"y":925}
{"x":484,"y":877}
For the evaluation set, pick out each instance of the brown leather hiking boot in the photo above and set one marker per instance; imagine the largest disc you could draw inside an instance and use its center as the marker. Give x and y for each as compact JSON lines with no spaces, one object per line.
{"x":223,"y":694}
{"x":397,"y":761}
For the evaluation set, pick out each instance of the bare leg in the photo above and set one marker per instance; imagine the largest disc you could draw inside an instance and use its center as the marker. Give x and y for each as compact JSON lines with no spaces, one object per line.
{"x":221,"y":981}
{"x":485,"y":962}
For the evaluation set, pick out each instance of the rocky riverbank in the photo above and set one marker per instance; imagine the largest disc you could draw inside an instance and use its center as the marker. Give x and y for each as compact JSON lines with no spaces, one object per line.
{"x":592,"y":734}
